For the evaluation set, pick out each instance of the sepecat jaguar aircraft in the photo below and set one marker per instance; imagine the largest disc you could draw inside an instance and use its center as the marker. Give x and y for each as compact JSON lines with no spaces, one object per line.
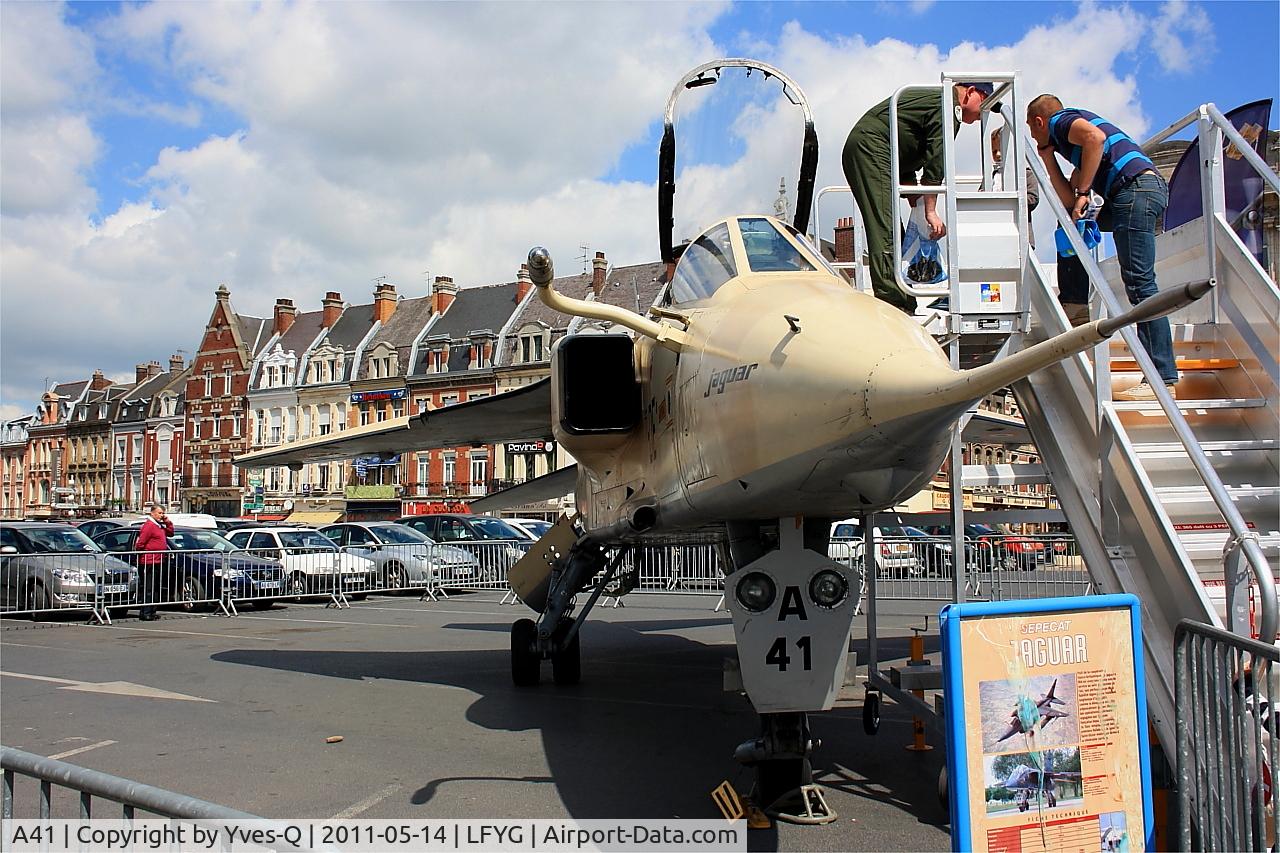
{"x":761,"y":398}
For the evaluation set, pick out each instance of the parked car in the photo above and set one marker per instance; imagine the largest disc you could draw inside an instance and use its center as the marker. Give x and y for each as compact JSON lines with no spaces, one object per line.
{"x":1000,"y":550}
{"x":310,"y":560}
{"x":496,"y":544}
{"x":534,"y":528}
{"x":45,"y":566}
{"x":95,"y":526}
{"x":199,"y":561}
{"x":404,"y":557}
{"x":201,"y":520}
{"x":894,"y":558}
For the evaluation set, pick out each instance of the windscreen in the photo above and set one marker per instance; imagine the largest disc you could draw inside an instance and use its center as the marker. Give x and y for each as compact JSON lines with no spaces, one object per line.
{"x":494,"y":528}
{"x":537,"y":528}
{"x":704,"y":266}
{"x":59,"y":540}
{"x":398,"y":534}
{"x":767,"y":250}
{"x":303,"y":541}
{"x":199,"y":540}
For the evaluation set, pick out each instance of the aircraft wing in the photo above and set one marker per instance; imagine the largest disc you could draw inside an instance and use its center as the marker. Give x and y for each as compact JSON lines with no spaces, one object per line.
{"x":557,"y":484}
{"x":520,"y":415}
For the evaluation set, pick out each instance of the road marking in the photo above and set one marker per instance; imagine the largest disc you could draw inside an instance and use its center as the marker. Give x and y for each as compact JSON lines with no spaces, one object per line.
{"x":198,"y":634}
{"x":71,"y":752}
{"x":4,"y":643}
{"x":367,"y":803}
{"x":117,"y":688}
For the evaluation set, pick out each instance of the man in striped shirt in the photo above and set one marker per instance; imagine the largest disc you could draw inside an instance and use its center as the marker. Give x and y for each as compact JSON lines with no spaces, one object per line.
{"x":1107,"y":161}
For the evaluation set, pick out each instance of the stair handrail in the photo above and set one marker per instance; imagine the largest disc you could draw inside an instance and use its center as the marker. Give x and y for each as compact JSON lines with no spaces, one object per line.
{"x":1241,"y":541}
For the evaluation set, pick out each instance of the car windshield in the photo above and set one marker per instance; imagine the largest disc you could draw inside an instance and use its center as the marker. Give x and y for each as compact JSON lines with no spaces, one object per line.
{"x":303,"y":541}
{"x":399,"y":535}
{"x":199,"y":540}
{"x":537,"y":528}
{"x":495,"y":528}
{"x":59,"y":540}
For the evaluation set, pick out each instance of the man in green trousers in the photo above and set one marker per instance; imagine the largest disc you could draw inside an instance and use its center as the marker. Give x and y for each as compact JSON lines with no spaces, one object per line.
{"x":866,"y":168}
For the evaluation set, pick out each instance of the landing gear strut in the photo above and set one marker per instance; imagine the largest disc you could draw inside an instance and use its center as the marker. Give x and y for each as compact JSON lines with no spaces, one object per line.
{"x":784,"y":777}
{"x":556,"y":633}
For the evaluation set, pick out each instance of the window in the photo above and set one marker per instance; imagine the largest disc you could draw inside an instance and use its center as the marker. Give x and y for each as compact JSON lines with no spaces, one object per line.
{"x":705,"y":265}
{"x":448,"y":399}
{"x":424,"y":469}
{"x":208,"y":383}
{"x":419,"y":406}
{"x":120,"y":448}
{"x":195,"y":427}
{"x":450,"y":467}
{"x":217,"y":427}
{"x":479,"y":472}
{"x":323,"y":425}
{"x":323,"y":482}
{"x":398,"y":409}
{"x":342,"y":416}
{"x":382,"y":413}
{"x":213,"y":472}
{"x":768,"y":250}
{"x":137,"y":448}
{"x":360,"y":536}
{"x":226,"y":382}
{"x":364,"y":415}
{"x":235,"y":427}
{"x":275,"y":427}
{"x":531,"y":347}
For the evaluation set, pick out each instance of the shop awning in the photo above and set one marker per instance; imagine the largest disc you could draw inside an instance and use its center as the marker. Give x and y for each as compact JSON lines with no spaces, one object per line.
{"x":316,"y":517}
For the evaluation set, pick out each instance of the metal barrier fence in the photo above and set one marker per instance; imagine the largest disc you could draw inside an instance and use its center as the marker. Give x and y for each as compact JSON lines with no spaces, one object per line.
{"x":1227,"y":739}
{"x":276,"y":568}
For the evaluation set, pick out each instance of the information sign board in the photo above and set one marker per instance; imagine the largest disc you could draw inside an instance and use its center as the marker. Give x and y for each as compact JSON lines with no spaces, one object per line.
{"x":1047,"y":725}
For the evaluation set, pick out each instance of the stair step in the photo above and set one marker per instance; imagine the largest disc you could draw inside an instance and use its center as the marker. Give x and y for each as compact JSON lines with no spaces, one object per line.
{"x":1200,"y":494}
{"x":1155,"y":448}
{"x":1213,"y":541}
{"x":1192,"y":405}
{"x":1129,"y":365}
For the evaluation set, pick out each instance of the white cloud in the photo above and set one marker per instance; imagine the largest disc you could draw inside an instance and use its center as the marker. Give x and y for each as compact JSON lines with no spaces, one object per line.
{"x":389,"y":139}
{"x":1182,"y":36}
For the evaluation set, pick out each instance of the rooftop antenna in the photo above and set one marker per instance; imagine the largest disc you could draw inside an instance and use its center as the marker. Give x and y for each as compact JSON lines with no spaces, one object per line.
{"x":379,"y":280}
{"x":585,"y":257}
{"x":426,"y":274}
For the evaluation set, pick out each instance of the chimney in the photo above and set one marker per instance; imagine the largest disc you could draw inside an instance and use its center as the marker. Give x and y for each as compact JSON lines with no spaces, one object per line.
{"x":140,"y":374}
{"x":176,"y":363}
{"x":844,"y":240}
{"x":384,"y":301}
{"x":154,"y":369}
{"x":598,"y":267}
{"x":332,"y":309}
{"x":99,"y":381}
{"x":443,"y":294}
{"x":285,"y":315}
{"x":523,"y":283}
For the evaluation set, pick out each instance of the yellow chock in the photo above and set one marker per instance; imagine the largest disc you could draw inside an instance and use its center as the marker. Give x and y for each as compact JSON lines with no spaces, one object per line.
{"x":728,"y":801}
{"x":757,"y":819}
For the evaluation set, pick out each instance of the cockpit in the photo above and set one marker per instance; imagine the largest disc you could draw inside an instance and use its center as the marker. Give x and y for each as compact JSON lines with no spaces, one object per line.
{"x":738,"y":246}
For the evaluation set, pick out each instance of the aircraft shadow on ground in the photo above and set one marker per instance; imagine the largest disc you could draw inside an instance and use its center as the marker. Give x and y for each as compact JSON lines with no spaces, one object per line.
{"x":647,"y":734}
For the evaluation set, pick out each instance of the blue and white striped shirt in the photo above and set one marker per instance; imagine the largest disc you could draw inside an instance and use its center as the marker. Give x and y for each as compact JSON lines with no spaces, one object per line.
{"x":1121,"y":156}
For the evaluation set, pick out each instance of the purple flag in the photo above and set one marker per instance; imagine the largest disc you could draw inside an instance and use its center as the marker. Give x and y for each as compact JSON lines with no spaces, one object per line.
{"x":1243,"y":185}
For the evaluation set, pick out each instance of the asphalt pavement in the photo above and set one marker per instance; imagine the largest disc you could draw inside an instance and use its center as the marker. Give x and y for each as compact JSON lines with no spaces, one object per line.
{"x":238,"y":710}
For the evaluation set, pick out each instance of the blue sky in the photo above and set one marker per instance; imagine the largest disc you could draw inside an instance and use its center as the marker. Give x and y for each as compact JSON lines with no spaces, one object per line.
{"x":153,"y":151}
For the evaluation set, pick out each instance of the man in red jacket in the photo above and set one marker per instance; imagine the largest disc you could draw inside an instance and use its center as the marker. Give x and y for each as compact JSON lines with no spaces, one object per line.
{"x":153,"y":541}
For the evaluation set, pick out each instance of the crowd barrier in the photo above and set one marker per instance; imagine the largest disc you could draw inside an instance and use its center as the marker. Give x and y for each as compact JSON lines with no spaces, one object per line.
{"x":103,"y":585}
{"x":1227,"y":723}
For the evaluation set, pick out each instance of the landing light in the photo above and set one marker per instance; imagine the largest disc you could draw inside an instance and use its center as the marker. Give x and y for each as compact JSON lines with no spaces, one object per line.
{"x":828,"y":588}
{"x":756,"y":591}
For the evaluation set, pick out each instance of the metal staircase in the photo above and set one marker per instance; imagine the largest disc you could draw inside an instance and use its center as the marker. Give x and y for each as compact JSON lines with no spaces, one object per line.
{"x":1177,"y":501}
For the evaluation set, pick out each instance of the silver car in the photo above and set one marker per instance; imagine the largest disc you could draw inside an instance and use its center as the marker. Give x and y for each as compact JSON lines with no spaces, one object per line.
{"x":404,"y":557}
{"x":45,"y":566}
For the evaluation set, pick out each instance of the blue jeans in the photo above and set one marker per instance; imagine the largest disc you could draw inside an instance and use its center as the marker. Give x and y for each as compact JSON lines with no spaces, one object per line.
{"x":1135,"y":210}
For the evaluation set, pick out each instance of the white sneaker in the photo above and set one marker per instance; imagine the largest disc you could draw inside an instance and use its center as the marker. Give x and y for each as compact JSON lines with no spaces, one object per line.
{"x":1142,"y":393}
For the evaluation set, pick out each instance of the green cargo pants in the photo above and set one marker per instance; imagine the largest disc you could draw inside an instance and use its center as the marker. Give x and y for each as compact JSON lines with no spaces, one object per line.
{"x":866,"y":168}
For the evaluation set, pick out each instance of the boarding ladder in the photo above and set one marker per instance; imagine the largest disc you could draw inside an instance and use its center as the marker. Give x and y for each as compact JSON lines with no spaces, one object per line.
{"x":1175,"y":501}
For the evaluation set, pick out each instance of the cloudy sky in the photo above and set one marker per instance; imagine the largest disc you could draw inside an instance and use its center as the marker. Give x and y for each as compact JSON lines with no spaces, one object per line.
{"x":150,"y":152}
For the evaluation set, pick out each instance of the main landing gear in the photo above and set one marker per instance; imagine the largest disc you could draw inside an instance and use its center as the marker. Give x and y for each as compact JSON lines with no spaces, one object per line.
{"x":555,"y":635}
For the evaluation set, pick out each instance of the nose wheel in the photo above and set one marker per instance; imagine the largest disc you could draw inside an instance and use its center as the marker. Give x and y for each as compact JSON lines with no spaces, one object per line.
{"x":527,"y":654}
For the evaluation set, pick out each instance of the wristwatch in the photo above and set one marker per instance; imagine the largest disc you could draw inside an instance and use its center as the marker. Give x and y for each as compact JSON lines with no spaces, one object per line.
{"x":1082,"y":193}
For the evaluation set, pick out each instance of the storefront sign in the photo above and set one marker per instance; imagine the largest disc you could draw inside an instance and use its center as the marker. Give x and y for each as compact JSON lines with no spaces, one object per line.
{"x":375,"y":396}
{"x":530,"y":446}
{"x":433,"y":507}
{"x":1047,"y":725}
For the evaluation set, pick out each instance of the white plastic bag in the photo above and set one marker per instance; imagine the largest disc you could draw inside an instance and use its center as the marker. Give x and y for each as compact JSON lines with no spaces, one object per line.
{"x":922,"y":257}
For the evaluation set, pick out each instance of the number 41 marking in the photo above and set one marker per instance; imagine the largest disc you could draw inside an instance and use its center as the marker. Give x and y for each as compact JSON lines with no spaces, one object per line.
{"x":777,"y":655}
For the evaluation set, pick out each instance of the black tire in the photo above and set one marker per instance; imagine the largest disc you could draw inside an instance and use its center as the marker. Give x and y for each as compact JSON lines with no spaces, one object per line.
{"x":392,"y":576}
{"x":118,"y":612}
{"x":299,"y":584}
{"x":944,"y":794}
{"x":778,"y":777}
{"x":871,"y":713}
{"x":192,"y":592}
{"x":39,"y":602}
{"x":526,"y":665}
{"x":566,"y":664}
{"x":262,"y":603}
